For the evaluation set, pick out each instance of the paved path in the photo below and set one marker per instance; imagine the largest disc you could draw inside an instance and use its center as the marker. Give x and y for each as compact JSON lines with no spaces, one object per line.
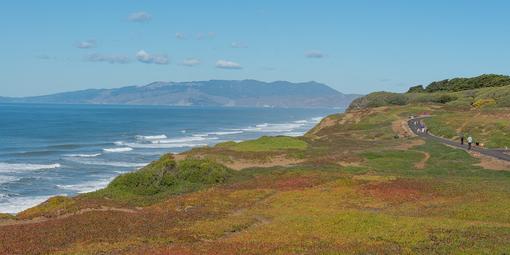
{"x":496,"y":153}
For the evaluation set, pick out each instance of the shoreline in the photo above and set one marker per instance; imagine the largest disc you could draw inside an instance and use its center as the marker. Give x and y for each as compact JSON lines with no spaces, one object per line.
{"x":27,"y":201}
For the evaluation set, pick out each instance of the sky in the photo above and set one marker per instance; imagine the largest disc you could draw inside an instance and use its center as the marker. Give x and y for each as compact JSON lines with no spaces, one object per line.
{"x":356,"y":46}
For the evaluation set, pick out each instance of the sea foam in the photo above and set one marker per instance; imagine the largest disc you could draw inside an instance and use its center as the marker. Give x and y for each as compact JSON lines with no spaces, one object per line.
{"x":183,"y":140}
{"x":17,"y":204}
{"x":83,"y":155}
{"x":86,"y":161}
{"x":88,"y":186}
{"x":123,"y":149}
{"x":7,"y":167}
{"x":7,"y":179}
{"x":163,"y":145}
{"x":150,"y":137}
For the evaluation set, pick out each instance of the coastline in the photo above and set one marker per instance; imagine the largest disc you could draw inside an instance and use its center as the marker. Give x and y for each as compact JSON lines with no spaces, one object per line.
{"x":167,"y":142}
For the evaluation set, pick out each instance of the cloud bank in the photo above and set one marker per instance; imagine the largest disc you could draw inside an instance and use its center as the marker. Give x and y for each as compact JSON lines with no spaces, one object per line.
{"x":158,"y":59}
{"x":139,"y":17}
{"x":314,"y":54}
{"x":180,"y":36}
{"x":191,"y":62}
{"x":225,"y":64}
{"x":238,"y":45}
{"x":112,"y":59}
{"x":89,"y":44}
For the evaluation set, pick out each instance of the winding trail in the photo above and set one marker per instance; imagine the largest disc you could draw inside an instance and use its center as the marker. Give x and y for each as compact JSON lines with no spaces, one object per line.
{"x":495,"y":153}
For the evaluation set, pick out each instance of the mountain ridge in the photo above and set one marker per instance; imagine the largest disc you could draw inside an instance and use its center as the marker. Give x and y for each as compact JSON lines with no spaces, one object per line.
{"x":242,"y":93}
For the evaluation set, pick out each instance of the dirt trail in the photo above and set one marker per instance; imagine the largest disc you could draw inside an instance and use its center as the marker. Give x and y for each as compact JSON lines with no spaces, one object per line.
{"x":423,"y":162}
{"x":461,"y":128}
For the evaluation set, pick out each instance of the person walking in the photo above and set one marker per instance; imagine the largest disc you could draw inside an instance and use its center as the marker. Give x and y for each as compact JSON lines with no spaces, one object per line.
{"x":461,"y":139}
{"x":469,"y":141}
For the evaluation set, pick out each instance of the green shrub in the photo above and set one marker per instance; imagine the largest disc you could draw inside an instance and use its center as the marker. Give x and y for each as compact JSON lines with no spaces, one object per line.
{"x":397,"y":99}
{"x":416,"y":89}
{"x":504,"y":101}
{"x":149,"y":180}
{"x":202,"y":171}
{"x":484,"y":102}
{"x":445,"y":98}
{"x":164,"y":177}
{"x":460,"y":84}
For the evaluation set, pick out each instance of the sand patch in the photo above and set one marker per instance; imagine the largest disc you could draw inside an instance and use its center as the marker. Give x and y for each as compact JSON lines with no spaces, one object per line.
{"x":491,"y":163}
{"x":179,"y":157}
{"x":410,"y":143}
{"x":401,"y":128}
{"x":325,"y":123}
{"x":347,"y":163}
{"x":350,"y":117}
{"x":238,"y":164}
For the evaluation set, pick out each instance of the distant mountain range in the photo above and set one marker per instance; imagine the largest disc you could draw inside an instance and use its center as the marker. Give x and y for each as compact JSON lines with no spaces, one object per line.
{"x":245,"y":93}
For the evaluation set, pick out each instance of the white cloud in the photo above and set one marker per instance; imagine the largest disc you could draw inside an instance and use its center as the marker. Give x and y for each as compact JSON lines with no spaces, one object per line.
{"x":210,"y":35}
{"x":112,"y":59}
{"x":89,"y":44}
{"x":314,"y":54}
{"x":139,"y":17}
{"x":191,"y":62}
{"x":225,"y":64}
{"x":180,"y":36}
{"x":238,"y":45}
{"x":158,"y":59}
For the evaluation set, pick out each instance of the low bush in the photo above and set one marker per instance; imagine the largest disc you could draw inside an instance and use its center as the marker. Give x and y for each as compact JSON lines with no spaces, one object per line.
{"x":484,"y":102}
{"x":162,"y":178}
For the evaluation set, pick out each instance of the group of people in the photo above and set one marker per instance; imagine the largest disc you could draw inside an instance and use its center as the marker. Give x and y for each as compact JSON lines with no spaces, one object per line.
{"x":469,"y":140}
{"x":421,"y":128}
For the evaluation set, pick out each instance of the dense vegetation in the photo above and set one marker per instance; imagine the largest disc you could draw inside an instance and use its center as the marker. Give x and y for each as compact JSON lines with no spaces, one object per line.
{"x":478,"y":92}
{"x":459,"y":84}
{"x":363,"y":185}
{"x":162,"y":178}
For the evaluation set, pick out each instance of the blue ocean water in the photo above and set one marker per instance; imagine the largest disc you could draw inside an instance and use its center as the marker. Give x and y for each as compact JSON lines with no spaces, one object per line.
{"x":48,"y":150}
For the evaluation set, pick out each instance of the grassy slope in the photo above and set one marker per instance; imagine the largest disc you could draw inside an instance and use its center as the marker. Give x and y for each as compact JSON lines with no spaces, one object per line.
{"x":358,"y":190}
{"x":483,"y":113}
{"x":266,"y":143}
{"x":490,"y":126}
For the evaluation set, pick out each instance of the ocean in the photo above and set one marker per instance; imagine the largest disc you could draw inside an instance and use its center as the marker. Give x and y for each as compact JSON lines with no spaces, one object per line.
{"x":48,"y":150}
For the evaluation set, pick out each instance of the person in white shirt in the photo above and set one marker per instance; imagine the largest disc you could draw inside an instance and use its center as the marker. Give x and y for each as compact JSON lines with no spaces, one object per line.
{"x":469,"y":141}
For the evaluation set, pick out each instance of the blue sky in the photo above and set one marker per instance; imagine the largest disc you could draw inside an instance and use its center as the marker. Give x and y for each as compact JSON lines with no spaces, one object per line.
{"x":354,"y":46}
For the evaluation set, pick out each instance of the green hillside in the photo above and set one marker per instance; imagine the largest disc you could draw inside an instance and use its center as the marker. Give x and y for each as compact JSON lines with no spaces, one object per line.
{"x":482,"y":91}
{"x":357,"y":183}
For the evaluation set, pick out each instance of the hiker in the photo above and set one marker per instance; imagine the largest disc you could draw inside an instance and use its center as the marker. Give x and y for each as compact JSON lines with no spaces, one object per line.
{"x":461,"y":139}
{"x":469,"y":141}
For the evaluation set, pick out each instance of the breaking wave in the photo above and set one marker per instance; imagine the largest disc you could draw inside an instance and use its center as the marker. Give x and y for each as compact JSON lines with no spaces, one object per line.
{"x":7,"y":167}
{"x":83,"y":155}
{"x":150,"y":137}
{"x":124,"y":149}
{"x":87,"y":186}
